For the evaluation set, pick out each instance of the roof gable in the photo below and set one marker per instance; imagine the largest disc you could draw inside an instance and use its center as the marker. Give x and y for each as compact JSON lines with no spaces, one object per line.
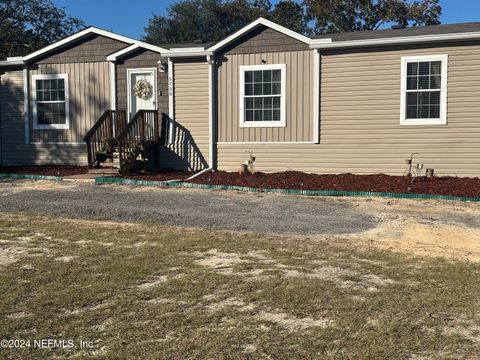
{"x":266,"y":23}
{"x":75,"y":38}
{"x":263,"y":39}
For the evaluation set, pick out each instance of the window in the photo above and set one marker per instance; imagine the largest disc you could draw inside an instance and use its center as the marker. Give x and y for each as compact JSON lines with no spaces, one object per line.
{"x":50,"y":101}
{"x":424,"y":90}
{"x":262,"y":96}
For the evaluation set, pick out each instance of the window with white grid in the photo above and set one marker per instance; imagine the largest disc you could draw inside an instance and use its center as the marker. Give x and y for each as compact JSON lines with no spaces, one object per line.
{"x":262,"y":96}
{"x":50,"y":101}
{"x":424,"y":90}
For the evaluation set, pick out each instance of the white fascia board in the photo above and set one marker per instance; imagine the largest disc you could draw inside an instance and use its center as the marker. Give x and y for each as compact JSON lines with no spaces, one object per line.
{"x":177,"y":53}
{"x":11,"y":62}
{"x":270,"y":24}
{"x":133,"y":47}
{"x":79,"y":35}
{"x":316,"y":44}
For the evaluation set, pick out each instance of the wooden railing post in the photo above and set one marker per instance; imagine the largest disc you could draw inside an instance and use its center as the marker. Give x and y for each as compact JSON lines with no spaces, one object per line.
{"x":142,"y":125}
{"x":156,"y":132}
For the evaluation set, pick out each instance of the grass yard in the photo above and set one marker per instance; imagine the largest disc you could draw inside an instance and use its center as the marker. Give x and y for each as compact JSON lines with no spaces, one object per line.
{"x":149,"y":292}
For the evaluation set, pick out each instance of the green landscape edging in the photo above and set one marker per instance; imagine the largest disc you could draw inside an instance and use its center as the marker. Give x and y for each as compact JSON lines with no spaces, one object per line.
{"x":30,"y":177}
{"x":117,"y":180}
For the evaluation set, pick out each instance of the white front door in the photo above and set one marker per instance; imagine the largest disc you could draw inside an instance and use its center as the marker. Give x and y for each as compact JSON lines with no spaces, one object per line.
{"x":142,"y":90}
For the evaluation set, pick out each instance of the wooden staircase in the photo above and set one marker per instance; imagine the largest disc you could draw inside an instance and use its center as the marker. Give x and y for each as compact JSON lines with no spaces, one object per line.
{"x":119,"y":144}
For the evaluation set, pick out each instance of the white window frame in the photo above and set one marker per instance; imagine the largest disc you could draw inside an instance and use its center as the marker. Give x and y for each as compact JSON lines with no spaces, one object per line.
{"x":36,"y":125}
{"x":442,"y":120}
{"x":255,"y":124}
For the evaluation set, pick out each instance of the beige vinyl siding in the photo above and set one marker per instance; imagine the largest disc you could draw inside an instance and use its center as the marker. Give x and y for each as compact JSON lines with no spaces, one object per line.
{"x":360,"y":128}
{"x":299,"y":98}
{"x":89,"y":97}
{"x":14,"y":149}
{"x":190,"y":150}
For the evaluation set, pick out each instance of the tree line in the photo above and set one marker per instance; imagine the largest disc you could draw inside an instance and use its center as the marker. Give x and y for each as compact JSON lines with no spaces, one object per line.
{"x":27,"y":25}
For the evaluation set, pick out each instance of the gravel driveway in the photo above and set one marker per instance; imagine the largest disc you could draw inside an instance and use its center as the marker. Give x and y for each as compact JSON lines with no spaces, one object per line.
{"x":185,"y":207}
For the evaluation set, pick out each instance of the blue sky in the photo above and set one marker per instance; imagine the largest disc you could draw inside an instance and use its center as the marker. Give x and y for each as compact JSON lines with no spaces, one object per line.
{"x":129,"y":17}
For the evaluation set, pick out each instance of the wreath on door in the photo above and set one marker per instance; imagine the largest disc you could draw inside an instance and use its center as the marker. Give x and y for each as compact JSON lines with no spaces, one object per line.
{"x":143,"y":89}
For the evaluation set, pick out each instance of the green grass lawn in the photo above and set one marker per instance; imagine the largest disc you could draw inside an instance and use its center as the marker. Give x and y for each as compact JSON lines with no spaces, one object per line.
{"x":150,"y":292}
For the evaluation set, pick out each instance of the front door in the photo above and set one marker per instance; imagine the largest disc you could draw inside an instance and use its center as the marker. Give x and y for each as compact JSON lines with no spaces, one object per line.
{"x":142,"y":90}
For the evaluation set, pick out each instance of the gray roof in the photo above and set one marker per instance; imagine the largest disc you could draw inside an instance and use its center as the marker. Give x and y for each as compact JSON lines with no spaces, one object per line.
{"x":413,"y":31}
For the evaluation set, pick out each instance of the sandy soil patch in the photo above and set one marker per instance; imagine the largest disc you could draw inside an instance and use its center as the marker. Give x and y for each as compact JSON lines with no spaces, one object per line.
{"x":293,"y":323}
{"x":157,"y":281}
{"x":425,"y":228}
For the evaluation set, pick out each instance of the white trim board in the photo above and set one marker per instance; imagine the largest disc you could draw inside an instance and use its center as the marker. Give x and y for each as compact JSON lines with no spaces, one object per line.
{"x":443,"y":91}
{"x":26,"y":104}
{"x":316,"y":44}
{"x":316,"y":97}
{"x":113,"y":86}
{"x":171,"y":101}
{"x":64,"y":126}
{"x":133,"y":47}
{"x":77,"y":36}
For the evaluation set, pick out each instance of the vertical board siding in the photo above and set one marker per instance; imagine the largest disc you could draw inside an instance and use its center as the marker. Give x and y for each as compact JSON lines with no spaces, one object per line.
{"x":14,"y":149}
{"x":190,"y":150}
{"x":89,"y":96}
{"x":360,"y":128}
{"x":299,"y":70}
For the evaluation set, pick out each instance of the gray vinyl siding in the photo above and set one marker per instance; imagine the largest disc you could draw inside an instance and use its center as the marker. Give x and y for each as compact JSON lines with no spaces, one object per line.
{"x":141,"y":59}
{"x":191,"y":146}
{"x":264,"y":40}
{"x":14,"y":149}
{"x":299,"y":98}
{"x":360,"y":128}
{"x":94,"y":48}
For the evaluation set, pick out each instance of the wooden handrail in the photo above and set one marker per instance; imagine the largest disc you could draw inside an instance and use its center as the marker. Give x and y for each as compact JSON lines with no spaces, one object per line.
{"x":109,"y":125}
{"x":143,"y":127}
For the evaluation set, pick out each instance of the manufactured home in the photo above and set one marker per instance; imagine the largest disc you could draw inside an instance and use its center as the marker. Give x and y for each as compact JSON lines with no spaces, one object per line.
{"x":357,"y":102}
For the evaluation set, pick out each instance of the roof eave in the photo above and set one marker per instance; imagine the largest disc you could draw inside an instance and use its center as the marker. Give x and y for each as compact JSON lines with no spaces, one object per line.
{"x":404,"y":40}
{"x":133,"y":47}
{"x":79,"y":35}
{"x":179,"y":53}
{"x":6,"y":63}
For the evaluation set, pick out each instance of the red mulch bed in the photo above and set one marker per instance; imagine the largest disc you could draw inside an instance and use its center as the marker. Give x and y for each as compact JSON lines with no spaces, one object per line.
{"x":451,"y":186}
{"x":49,"y":170}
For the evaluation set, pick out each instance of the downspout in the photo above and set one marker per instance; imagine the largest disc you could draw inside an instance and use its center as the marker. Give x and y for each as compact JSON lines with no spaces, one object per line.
{"x":211,"y":107}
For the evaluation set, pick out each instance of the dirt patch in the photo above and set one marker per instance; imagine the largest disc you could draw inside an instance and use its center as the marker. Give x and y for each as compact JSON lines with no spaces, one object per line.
{"x":232,"y":303}
{"x":435,"y":240}
{"x":215,"y":259}
{"x":50,"y":170}
{"x":293,"y":323}
{"x":342,"y":277}
{"x":157,"y":281}
{"x":453,"y":186}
